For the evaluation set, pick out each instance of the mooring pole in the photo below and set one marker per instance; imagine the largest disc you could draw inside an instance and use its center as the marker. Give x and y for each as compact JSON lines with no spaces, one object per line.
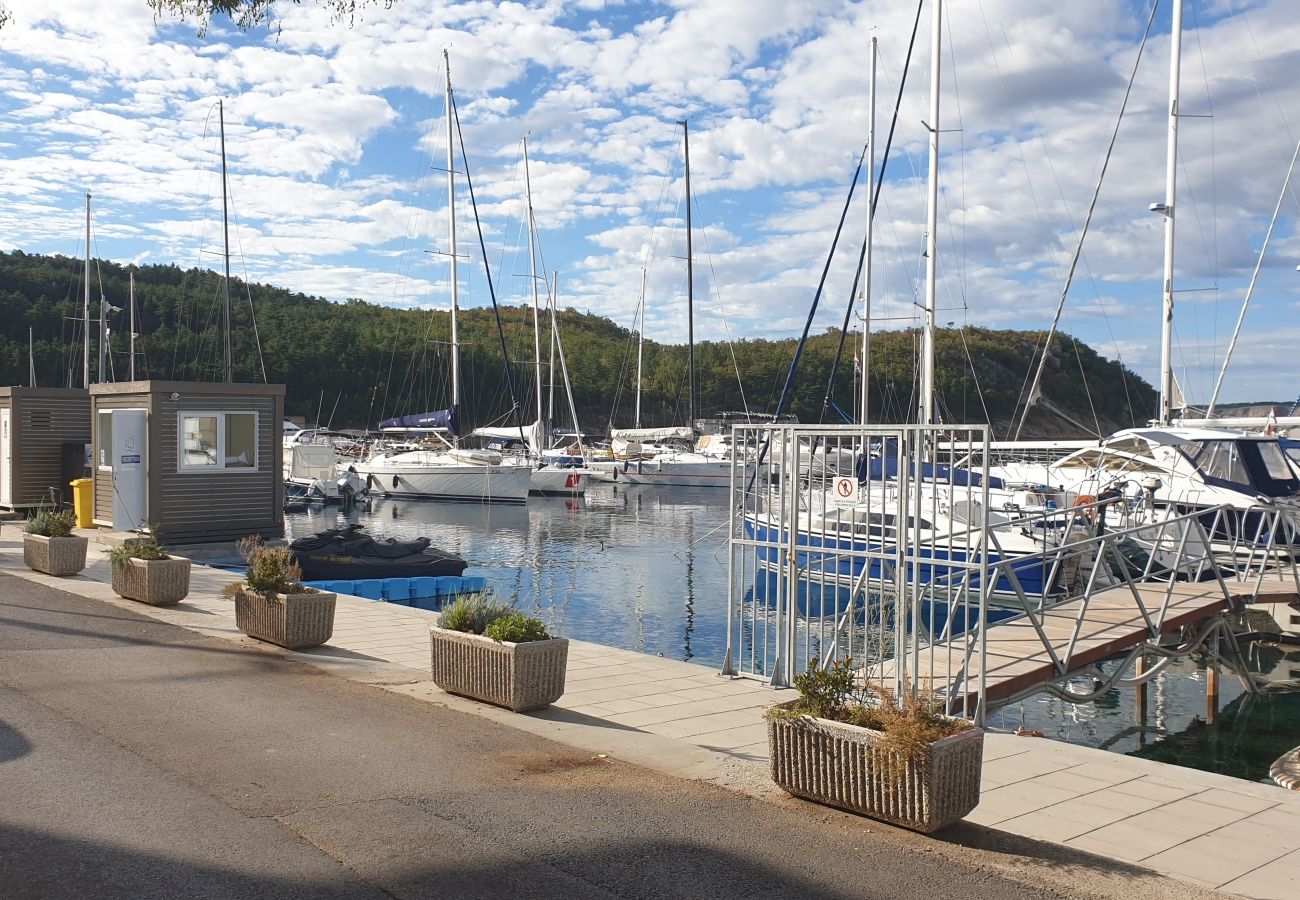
{"x":1212,"y":684}
{"x":1140,"y":668}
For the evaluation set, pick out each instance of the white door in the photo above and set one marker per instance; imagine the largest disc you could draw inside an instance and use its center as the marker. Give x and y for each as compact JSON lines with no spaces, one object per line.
{"x":130,"y":462}
{"x":6,"y":459}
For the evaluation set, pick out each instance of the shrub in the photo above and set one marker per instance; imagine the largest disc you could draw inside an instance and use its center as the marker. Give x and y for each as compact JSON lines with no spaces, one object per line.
{"x":271,"y":570}
{"x":908,"y":723}
{"x":137,"y":548}
{"x":51,"y":522}
{"x":474,"y":613}
{"x":517,"y":628}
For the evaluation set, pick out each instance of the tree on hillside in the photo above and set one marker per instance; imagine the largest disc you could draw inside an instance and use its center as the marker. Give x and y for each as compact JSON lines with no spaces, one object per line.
{"x":247,"y":14}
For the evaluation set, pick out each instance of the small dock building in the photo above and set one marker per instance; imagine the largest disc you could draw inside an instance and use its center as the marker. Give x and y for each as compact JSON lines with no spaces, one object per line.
{"x":44,"y":433}
{"x":200,"y":461}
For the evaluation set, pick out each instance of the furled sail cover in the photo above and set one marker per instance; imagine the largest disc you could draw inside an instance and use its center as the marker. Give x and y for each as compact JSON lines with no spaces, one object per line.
{"x":653,"y":434}
{"x":438,"y":420}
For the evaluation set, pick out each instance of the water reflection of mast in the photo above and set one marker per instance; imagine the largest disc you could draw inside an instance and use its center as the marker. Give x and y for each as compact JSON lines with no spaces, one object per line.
{"x":690,"y":585}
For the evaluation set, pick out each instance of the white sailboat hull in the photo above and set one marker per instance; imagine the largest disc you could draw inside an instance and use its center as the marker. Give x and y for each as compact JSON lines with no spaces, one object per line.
{"x":678,"y":471}
{"x":550,"y":480}
{"x":446,"y":480}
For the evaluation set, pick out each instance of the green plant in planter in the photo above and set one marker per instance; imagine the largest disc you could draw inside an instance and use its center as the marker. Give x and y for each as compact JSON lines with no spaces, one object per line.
{"x":473,"y":613}
{"x":486,"y":615}
{"x":517,"y":628}
{"x":908,"y":723}
{"x":271,"y":570}
{"x":51,"y":522}
{"x":145,"y":546}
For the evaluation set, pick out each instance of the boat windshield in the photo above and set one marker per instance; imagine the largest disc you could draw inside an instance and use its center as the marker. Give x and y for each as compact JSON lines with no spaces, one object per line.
{"x":1252,"y":465}
{"x":1275,"y":461}
{"x":1220,"y":459}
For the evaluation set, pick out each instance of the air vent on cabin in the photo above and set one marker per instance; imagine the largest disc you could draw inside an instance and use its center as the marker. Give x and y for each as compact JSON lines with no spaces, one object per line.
{"x":38,"y":418}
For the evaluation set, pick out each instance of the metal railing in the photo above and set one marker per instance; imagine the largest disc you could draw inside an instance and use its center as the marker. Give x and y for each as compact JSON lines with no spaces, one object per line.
{"x":836,"y":532}
{"x":1256,"y":546}
{"x":843,"y":546}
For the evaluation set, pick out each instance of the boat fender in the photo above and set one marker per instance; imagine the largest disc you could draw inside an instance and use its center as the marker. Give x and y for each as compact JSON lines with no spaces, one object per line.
{"x":396,"y":482}
{"x":1086,"y":500}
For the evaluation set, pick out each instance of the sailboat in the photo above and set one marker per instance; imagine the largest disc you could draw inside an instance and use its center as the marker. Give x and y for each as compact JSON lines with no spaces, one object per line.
{"x":843,"y":528}
{"x":450,"y":472}
{"x":1168,"y":469}
{"x":682,"y":467}
{"x":526,"y":447}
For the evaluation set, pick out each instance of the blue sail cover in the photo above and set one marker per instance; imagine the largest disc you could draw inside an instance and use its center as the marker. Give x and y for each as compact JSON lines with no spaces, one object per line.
{"x":878,"y":469}
{"x":440,"y":419}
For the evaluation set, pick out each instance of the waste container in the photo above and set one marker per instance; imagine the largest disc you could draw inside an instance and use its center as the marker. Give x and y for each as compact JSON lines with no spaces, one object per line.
{"x":83,"y":501}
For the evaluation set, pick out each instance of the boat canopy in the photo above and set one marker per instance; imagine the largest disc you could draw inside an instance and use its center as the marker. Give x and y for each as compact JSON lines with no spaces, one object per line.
{"x":534,"y":435}
{"x":439,"y":420}
{"x":653,"y":434}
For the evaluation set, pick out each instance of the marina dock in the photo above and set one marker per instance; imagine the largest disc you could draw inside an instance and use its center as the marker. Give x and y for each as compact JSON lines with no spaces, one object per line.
{"x":687,"y":721}
{"x":1034,"y":649}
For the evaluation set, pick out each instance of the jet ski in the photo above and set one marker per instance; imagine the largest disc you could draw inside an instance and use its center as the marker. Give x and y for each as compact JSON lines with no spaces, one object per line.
{"x":350,"y":553}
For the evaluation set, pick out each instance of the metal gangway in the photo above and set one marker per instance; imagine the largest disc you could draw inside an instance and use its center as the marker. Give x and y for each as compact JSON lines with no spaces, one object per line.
{"x":845,"y":544}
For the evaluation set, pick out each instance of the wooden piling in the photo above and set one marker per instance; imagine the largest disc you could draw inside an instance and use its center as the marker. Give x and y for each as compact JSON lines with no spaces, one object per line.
{"x":1140,"y":668}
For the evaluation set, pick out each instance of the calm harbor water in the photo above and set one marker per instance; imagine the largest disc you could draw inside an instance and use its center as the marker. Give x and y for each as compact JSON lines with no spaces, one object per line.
{"x":645,"y":569}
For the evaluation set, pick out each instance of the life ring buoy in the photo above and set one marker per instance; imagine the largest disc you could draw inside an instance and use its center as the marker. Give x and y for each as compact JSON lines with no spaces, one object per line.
{"x":1086,"y":500}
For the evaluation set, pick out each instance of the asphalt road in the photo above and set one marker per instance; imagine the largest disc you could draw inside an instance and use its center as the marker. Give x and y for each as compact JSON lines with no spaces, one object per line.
{"x":139,"y":760}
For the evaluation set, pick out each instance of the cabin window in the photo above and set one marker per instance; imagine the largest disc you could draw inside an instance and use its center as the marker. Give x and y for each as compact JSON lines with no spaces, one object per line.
{"x":1275,"y":461}
{"x":105,"y":439}
{"x":217,"y":441}
{"x":1221,"y":460}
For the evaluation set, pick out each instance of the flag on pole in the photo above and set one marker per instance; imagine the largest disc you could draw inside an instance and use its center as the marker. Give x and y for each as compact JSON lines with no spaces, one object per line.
{"x":1270,"y":427}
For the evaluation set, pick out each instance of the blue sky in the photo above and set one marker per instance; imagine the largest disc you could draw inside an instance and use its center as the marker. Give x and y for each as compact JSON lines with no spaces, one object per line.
{"x":335,"y":140}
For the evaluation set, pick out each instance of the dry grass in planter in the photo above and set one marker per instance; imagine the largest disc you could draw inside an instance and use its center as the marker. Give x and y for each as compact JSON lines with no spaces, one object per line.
{"x":858,"y":747}
{"x":272,"y":604}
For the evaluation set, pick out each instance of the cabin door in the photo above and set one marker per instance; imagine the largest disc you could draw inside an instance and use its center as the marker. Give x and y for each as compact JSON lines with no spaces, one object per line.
{"x":6,"y":460}
{"x":130,"y":462}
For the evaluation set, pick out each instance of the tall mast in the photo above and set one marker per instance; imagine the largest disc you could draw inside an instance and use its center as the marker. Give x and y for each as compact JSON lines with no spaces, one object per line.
{"x":103,"y":334}
{"x":451,"y":228}
{"x":1171,"y":173}
{"x":225,"y":228}
{"x":85,"y":308}
{"x":871,"y":217}
{"x":690,"y":286}
{"x":131,"y":302}
{"x":31,"y":357}
{"x":532,"y":267}
{"x":564,"y":366}
{"x":931,"y":224}
{"x":640,"y":341}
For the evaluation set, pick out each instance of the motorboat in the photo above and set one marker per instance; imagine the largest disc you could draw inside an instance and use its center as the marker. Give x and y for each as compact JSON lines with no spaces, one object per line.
{"x":349,"y":553}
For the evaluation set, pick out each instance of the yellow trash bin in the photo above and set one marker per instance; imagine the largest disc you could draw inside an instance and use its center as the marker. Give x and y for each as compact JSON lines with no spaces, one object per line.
{"x":83,"y":501}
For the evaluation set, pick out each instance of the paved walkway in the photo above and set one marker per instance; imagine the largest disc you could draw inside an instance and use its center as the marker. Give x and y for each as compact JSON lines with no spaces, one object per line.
{"x":685,"y":720}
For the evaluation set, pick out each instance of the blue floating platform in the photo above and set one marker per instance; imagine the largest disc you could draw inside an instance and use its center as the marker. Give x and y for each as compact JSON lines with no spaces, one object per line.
{"x":421,"y":593}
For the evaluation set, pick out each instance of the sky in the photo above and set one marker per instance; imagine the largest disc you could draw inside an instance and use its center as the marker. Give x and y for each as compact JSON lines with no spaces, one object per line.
{"x":335,"y":139}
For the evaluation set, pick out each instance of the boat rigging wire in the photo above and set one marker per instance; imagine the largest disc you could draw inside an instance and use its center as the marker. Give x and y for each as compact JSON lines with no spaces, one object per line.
{"x":1250,"y":289}
{"x":872,"y":201}
{"x":1036,"y":385}
{"x":496,"y":309}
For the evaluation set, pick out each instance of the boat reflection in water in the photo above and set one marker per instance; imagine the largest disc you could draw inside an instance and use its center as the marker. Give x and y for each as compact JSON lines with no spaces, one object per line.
{"x":637,"y":568}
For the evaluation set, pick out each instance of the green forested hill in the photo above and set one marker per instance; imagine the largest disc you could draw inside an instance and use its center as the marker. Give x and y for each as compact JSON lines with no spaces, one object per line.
{"x":359,"y":361}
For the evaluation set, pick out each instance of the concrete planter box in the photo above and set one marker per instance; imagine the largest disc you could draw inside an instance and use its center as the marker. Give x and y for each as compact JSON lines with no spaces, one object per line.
{"x":293,"y":621}
{"x":845,"y":766}
{"x":519,"y":677}
{"x":54,"y":555}
{"x":158,"y":582}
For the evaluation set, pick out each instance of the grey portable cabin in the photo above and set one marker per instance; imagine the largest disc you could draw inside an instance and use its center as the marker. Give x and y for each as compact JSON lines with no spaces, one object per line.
{"x":200,"y":461}
{"x":43,"y":436}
